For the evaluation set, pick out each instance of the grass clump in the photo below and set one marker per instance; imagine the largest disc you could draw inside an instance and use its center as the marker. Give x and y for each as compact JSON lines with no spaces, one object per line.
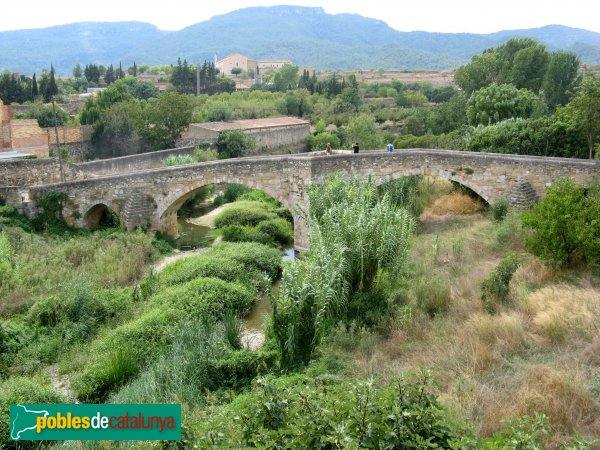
{"x":23,"y":390}
{"x":228,"y":261}
{"x":244,"y":213}
{"x":495,"y":289}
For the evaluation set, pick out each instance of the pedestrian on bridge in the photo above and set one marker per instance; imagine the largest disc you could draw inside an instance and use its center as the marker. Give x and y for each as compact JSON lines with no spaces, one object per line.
{"x":328,"y":149}
{"x":390,"y":148}
{"x":355,"y":148}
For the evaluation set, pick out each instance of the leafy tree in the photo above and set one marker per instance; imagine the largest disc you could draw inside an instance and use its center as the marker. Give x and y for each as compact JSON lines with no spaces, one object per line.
{"x":319,"y":141}
{"x":45,"y":115}
{"x":94,"y":106}
{"x":92,"y":73}
{"x":183,"y":77}
{"x":117,"y":131}
{"x":77,"y":71}
{"x":286,"y":78}
{"x":364,"y":130}
{"x":236,"y":70}
{"x":109,"y":76}
{"x":500,"y":102}
{"x":585,"y":108}
{"x":164,"y":118}
{"x":555,"y":135}
{"x":479,"y":73}
{"x":522,"y":62}
{"x":234,"y":144}
{"x":14,"y":89}
{"x":565,"y":225}
{"x":449,"y":116}
{"x":142,"y":90}
{"x":560,"y":79}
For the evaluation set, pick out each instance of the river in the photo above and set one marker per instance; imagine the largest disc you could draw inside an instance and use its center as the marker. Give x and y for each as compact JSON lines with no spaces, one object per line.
{"x":193,"y":237}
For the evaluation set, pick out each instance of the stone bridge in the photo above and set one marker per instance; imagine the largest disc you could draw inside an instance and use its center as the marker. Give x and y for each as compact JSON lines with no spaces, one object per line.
{"x":150,"y":198}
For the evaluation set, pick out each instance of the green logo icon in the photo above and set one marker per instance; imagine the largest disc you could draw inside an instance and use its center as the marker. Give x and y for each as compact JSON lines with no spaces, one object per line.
{"x":95,"y":422}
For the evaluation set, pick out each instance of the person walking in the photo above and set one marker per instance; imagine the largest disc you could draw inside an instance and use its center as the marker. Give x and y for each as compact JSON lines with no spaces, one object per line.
{"x":355,"y":148}
{"x":328,"y":149}
{"x":390,"y":148}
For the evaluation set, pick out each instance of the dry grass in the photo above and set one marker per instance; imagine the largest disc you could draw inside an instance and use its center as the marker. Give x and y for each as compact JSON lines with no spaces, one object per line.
{"x":540,"y":354}
{"x":562,"y":311}
{"x":454,"y":203}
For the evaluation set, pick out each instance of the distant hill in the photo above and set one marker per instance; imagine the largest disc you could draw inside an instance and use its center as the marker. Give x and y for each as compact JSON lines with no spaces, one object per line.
{"x":307,"y":36}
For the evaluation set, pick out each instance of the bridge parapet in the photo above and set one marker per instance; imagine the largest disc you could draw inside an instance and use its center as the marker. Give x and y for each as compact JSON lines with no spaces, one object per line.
{"x":153,"y":196}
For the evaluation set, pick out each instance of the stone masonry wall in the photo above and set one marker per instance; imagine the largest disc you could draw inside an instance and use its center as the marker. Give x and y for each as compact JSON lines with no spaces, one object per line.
{"x":159,"y":193}
{"x":143,"y":161}
{"x":32,"y":172}
{"x":269,"y":140}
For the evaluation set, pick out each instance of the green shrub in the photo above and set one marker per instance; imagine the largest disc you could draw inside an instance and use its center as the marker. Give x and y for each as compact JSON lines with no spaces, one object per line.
{"x":243,"y":213}
{"x":565,"y":225}
{"x":250,"y":254}
{"x":218,"y":112}
{"x":239,"y":233}
{"x":22,"y":390}
{"x":149,"y":334}
{"x":499,"y":209}
{"x":280,"y":230}
{"x":6,"y":259}
{"x":234,"y":144}
{"x":198,"y":360}
{"x":230,"y":262}
{"x":319,"y":141}
{"x":207,"y":297}
{"x":326,"y":412}
{"x":178,"y":160}
{"x":254,"y":195}
{"x":495,"y":288}
{"x":433,"y":295}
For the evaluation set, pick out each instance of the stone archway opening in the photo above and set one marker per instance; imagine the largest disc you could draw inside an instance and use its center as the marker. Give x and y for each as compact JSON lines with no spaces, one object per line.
{"x":430,"y":197}
{"x":194,"y":217}
{"x":101,"y":216}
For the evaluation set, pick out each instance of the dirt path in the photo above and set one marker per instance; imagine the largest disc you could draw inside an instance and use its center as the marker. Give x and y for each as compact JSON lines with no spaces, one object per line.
{"x":61,"y":383}
{"x":160,"y":265}
{"x":208,"y":220}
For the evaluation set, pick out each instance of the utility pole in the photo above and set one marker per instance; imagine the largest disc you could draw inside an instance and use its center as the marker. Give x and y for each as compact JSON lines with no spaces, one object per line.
{"x":60,"y":163}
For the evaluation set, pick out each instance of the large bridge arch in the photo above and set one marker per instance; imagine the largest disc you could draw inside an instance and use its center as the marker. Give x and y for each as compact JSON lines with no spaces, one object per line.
{"x":172,"y":202}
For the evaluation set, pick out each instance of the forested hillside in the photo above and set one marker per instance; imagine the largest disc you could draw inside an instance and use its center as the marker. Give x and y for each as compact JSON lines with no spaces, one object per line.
{"x":306,"y":36}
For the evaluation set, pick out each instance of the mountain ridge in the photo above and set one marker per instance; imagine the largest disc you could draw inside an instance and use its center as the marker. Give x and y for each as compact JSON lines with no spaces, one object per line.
{"x":308,"y":36}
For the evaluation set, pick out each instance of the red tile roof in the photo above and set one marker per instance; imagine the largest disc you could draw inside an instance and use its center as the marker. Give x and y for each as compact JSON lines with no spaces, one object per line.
{"x":251,"y":123}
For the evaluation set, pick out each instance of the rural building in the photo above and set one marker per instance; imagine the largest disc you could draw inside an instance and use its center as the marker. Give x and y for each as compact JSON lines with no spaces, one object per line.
{"x":26,"y":136}
{"x":272,"y":135}
{"x":237,"y":60}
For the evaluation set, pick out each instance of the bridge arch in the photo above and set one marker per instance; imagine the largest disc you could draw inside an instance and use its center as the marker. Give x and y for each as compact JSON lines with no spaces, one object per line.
{"x":96,"y":214}
{"x":169,"y":206}
{"x":395,"y":173}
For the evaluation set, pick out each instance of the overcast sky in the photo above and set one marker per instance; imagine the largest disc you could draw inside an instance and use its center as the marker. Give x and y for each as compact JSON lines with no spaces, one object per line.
{"x":429,"y":15}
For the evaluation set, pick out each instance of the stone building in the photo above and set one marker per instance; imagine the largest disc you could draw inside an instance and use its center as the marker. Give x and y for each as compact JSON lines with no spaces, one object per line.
{"x":237,"y":60}
{"x":272,"y":135}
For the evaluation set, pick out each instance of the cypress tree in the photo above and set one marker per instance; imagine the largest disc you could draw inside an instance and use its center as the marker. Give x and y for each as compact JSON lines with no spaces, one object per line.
{"x":51,"y":88}
{"x":34,"y":88}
